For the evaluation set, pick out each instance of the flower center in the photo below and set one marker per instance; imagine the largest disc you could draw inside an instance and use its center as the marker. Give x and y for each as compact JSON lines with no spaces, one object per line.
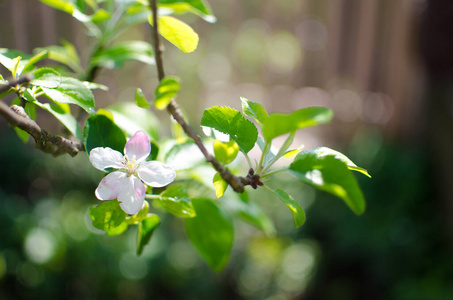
{"x":130,"y":164}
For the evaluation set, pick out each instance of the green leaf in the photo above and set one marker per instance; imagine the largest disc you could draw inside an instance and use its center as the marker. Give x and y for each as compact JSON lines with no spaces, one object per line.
{"x":9,"y":59}
{"x":175,"y":199}
{"x":294,"y":207}
{"x":140,"y":216}
{"x":251,"y":213}
{"x":177,"y":32}
{"x":62,"y":112}
{"x":166,"y":90}
{"x":46,"y":77}
{"x":100,"y":16}
{"x":64,"y":89}
{"x":254,"y":110}
{"x":331,"y":175}
{"x":116,"y":55}
{"x":63,"y":5}
{"x":32,"y":61}
{"x":109,"y":216}
{"x":225,"y":153}
{"x":16,"y":62}
{"x":100,"y":131}
{"x":229,"y":121}
{"x":211,"y":232}
{"x":220,"y":185}
{"x":278,"y":123}
{"x":140,"y":99}
{"x":324,"y":151}
{"x":198,"y":7}
{"x":65,"y":54}
{"x":145,"y":230}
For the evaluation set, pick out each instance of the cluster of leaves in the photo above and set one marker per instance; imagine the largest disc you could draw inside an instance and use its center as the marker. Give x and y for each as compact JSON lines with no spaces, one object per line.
{"x":208,"y":221}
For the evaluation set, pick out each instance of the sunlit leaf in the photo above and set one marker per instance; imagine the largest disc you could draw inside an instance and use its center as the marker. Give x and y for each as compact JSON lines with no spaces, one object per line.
{"x":293,"y":205}
{"x":225,"y":152}
{"x":278,"y":123}
{"x":145,"y":230}
{"x":229,"y":121}
{"x":324,"y":151}
{"x":109,"y":216}
{"x":198,"y":7}
{"x":211,"y":232}
{"x":254,"y":110}
{"x":220,"y":185}
{"x":331,"y":175}
{"x":65,"y":54}
{"x":64,"y":89}
{"x":166,"y":90}
{"x":116,"y":55}
{"x":175,"y":199}
{"x":177,"y":32}
{"x":140,"y":99}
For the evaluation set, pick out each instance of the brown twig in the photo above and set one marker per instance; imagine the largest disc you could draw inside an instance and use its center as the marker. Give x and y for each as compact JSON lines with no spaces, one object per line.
{"x":236,"y":182}
{"x":46,"y":142}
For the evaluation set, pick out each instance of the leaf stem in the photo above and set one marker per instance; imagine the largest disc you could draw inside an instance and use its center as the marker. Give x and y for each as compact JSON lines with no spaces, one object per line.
{"x":278,"y":170}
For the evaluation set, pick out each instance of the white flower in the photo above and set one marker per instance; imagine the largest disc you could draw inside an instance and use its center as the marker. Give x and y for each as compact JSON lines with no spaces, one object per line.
{"x":126,"y":184}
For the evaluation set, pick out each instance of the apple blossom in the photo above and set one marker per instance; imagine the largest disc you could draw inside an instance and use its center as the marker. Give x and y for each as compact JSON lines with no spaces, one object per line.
{"x":133,"y":170}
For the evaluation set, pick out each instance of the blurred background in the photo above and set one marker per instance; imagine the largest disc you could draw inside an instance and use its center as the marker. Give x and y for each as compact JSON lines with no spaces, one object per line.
{"x":386,"y":69}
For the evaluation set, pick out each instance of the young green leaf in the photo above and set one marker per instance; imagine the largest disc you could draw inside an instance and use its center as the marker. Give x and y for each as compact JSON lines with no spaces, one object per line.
{"x":198,"y":7}
{"x":65,"y":54}
{"x":324,"y":151}
{"x":254,"y":110}
{"x":220,"y":185}
{"x":65,"y":6}
{"x":166,"y":90}
{"x":175,"y":199}
{"x":211,"y":232}
{"x":32,"y":61}
{"x":140,"y":99}
{"x":331,"y":175}
{"x":145,"y":230}
{"x":278,"y":123}
{"x":225,"y":152}
{"x":116,"y":55}
{"x":229,"y":121}
{"x":177,"y":32}
{"x":100,"y":131}
{"x":293,"y":205}
{"x":109,"y":216}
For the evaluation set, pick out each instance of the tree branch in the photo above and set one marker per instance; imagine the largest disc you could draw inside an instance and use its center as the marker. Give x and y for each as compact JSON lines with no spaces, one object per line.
{"x":237,"y":183}
{"x":46,"y":142}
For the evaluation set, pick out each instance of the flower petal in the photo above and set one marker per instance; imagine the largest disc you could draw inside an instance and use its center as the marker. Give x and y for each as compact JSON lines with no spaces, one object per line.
{"x":103,"y":158}
{"x":155,"y":173}
{"x":132,"y":195}
{"x":139,"y":146}
{"x":110,"y":185}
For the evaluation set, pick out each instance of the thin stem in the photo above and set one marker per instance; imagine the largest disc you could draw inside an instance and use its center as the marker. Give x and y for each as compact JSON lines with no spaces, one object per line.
{"x":237,"y":183}
{"x":267,"y":146}
{"x":151,"y":197}
{"x":278,"y":170}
